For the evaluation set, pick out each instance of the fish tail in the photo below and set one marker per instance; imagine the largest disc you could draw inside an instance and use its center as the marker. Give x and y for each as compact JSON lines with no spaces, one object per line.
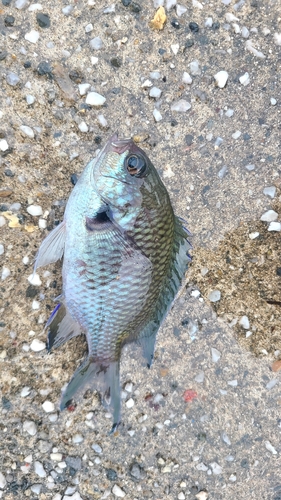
{"x":102,"y":375}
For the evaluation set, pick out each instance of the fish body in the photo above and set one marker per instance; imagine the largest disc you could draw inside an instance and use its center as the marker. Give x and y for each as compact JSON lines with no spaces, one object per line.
{"x":124,"y":256}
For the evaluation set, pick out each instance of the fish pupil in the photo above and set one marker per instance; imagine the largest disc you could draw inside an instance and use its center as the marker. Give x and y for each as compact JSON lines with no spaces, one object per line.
{"x":136,"y":165}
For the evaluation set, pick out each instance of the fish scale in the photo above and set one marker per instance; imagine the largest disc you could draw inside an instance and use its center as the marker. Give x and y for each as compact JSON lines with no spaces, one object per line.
{"x":125,"y":254}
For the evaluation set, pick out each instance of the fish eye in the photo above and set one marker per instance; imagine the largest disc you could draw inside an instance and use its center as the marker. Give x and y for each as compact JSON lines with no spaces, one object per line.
{"x":136,"y":165}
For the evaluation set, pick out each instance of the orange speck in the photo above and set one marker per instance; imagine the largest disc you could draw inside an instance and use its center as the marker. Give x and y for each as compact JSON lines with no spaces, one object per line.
{"x":189,"y":395}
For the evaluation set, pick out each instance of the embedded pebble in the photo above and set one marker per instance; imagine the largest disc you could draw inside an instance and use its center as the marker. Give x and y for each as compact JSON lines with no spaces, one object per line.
{"x":269,"y":216}
{"x":130,"y":403}
{"x":245,"y":79}
{"x":244,"y":322}
{"x":1,"y":249}
{"x":194,"y":68}
{"x":155,"y":75}
{"x":42,"y":223}
{"x":27,"y":131}
{"x":232,"y":383}
{"x":35,"y":210}
{"x":199,"y":377}
{"x":102,"y":121}
{"x":175,"y":48}
{"x":89,"y":28}
{"x":277,"y":38}
{"x":3,"y":145}
{"x":2,"y":221}
{"x":245,"y":32}
{"x":3,"y":481}
{"x":214,"y":296}
{"x":254,"y":235}
{"x":249,"y":46}
{"x":96,"y":43}
{"x":270,"y":191}
{"x":83,"y":88}
{"x":34,"y":279}
{"x":250,"y":167}
{"x":67,"y":10}
{"x":274,"y":226}
{"x":25,"y":392}
{"x":270,"y":448}
{"x":208,"y":22}
{"x":5,"y":273}
{"x":77,"y":438}
{"x":37,"y":345}
{"x":32,"y":36}
{"x":221,"y":78}
{"x":157,"y":115}
{"x":12,"y":79}
{"x":225,"y":438}
{"x":97,"y":448}
{"x":181,"y":496}
{"x":155,"y":92}
{"x":186,"y":78}
{"x":181,"y":106}
{"x":229,"y":113}
{"x":48,"y":406}
{"x":21,"y":4}
{"x":83,"y":127}
{"x":202,"y":495}
{"x":30,"y":427}
{"x":36,"y":488}
{"x":216,"y":468}
{"x":273,"y":101}
{"x":236,"y":134}
{"x":30,"y":99}
{"x":216,"y":355}
{"x":180,"y":10}
{"x":117,"y":491}
{"x":39,"y":469}
{"x":95,"y":99}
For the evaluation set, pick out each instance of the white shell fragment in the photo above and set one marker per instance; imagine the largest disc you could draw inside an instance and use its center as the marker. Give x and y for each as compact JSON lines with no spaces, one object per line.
{"x":270,"y":191}
{"x":249,"y":46}
{"x":116,"y":490}
{"x":269,"y":216}
{"x":244,"y":322}
{"x":270,"y":448}
{"x":27,"y":131}
{"x":95,"y":99}
{"x":214,"y":296}
{"x":35,"y":210}
{"x":221,"y":78}
{"x":274,"y":226}
{"x":48,"y":406}
{"x":157,"y":115}
{"x":37,"y":345}
{"x":181,"y":106}
{"x":34,"y":279}
{"x":3,"y":145}
{"x":245,"y":79}
{"x":32,"y":36}
{"x":186,"y":78}
{"x":30,"y":427}
{"x":277,"y":38}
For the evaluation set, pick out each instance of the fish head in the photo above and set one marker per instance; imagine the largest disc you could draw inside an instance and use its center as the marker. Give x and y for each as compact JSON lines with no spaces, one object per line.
{"x":119,"y":174}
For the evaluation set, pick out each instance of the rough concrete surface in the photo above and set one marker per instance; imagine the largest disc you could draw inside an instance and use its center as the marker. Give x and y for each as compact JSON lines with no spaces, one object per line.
{"x":204,"y":422}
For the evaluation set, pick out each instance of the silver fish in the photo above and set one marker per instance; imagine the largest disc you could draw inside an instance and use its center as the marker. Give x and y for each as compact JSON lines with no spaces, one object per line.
{"x":125,"y":254}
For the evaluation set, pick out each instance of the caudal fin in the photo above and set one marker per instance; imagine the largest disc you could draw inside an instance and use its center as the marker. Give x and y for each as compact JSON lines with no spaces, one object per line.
{"x":93,"y":374}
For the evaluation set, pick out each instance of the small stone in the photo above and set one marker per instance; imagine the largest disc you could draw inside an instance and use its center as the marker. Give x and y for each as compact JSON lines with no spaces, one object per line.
{"x":186,"y":78}
{"x":5,"y":273}
{"x":48,"y":406}
{"x":83,"y":127}
{"x":273,"y":101}
{"x":155,"y":92}
{"x":30,"y":99}
{"x":245,"y":79}
{"x":96,"y":43}
{"x":34,"y":279}
{"x":216,"y":468}
{"x":77,"y":439}
{"x":214,"y":296}
{"x":116,"y":62}
{"x":232,"y":383}
{"x":249,"y":46}
{"x":269,"y":216}
{"x":36,"y":488}
{"x":27,"y":131}
{"x":270,"y":191}
{"x":270,"y":448}
{"x":1,"y":249}
{"x":157,"y":115}
{"x":229,"y":113}
{"x":236,"y":134}
{"x":193,"y":27}
{"x":202,"y":495}
{"x":221,"y":78}
{"x":67,"y":10}
{"x":39,"y":469}
{"x":250,"y":167}
{"x":9,"y":20}
{"x":274,"y":226}
{"x":244,"y":322}
{"x":216,"y":355}
{"x":35,"y":210}
{"x":277,"y":38}
{"x":35,"y":6}
{"x":32,"y":36}
{"x":208,"y":22}
{"x":83,"y":88}
{"x":89,"y":28}
{"x":3,"y":145}
{"x":25,"y":392}
{"x":21,"y":4}
{"x":3,"y":481}
{"x":43,"y":20}
{"x":200,"y":377}
{"x":35,"y":305}
{"x":175,"y":48}
{"x":102,"y":121}
{"x":12,"y":79}
{"x":130,"y":403}
{"x":180,"y":10}
{"x":95,"y":99}
{"x":181,"y":496}
{"x":116,"y":490}
{"x":2,"y":221}
{"x":97,"y":448}
{"x":30,"y":427}
{"x":254,"y":235}
{"x":37,"y":345}
{"x":272,"y":383}
{"x":194,"y":68}
{"x":245,"y":32}
{"x":181,"y":106}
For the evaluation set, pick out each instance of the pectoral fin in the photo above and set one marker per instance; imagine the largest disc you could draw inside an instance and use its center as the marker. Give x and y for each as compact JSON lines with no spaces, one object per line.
{"x":52,"y":247}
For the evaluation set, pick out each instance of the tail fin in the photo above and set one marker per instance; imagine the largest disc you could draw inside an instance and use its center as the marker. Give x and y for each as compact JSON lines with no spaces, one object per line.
{"x":104,"y":376}
{"x":61,"y":327}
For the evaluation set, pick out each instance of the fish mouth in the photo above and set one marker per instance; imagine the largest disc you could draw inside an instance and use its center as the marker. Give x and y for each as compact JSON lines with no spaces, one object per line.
{"x":119,"y":146}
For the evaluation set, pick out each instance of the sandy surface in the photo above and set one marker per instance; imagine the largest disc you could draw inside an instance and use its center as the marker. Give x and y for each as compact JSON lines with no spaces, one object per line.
{"x":205,"y":419}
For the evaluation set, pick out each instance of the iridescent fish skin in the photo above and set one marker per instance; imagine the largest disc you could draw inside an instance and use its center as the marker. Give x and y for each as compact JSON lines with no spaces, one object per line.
{"x":125,"y":255}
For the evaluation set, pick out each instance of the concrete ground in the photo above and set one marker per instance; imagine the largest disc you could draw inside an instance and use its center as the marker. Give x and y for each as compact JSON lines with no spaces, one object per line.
{"x":204,"y":422}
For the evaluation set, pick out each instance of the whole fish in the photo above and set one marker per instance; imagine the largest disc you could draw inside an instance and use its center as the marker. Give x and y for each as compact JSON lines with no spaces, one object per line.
{"x":124,"y":256}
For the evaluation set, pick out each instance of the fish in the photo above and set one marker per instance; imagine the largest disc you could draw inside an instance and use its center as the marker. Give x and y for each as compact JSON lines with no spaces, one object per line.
{"x":125,"y":254}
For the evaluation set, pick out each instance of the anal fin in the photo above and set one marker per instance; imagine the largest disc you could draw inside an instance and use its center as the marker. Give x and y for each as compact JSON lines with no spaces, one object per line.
{"x":61,"y":327}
